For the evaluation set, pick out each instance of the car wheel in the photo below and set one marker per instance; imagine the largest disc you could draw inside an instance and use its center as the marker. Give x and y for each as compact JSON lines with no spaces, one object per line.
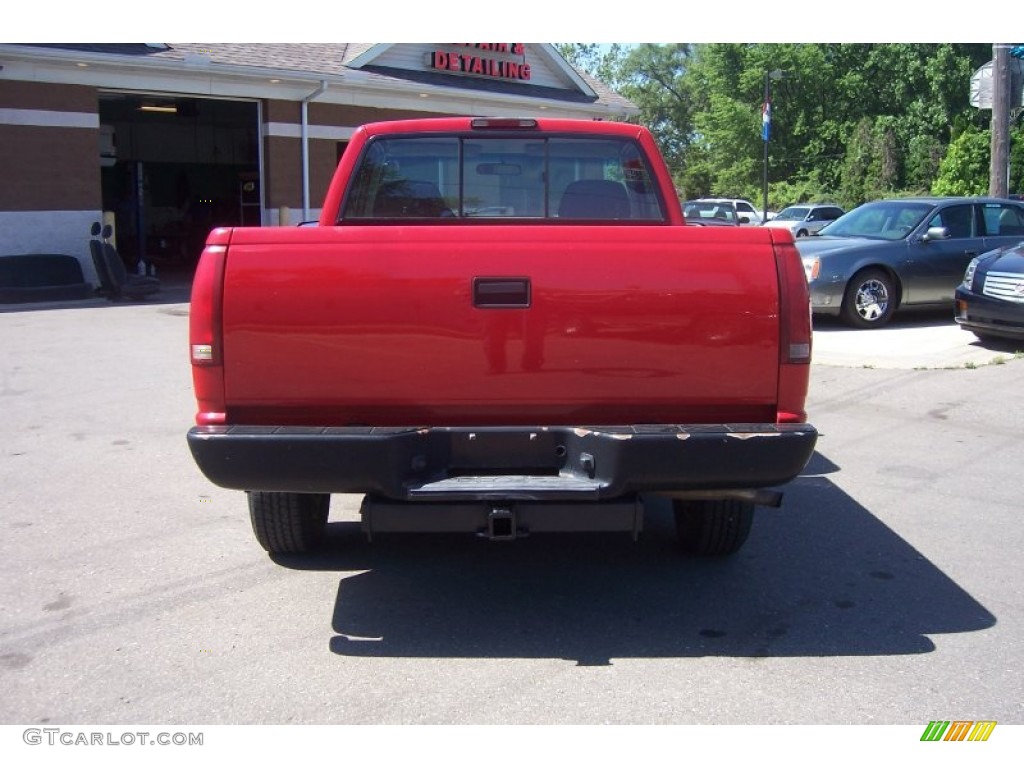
{"x":712,"y":528}
{"x":870,"y":300}
{"x":801,"y":233}
{"x":289,"y":523}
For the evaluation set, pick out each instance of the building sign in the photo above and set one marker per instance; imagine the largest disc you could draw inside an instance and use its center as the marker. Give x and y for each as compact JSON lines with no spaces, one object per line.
{"x":504,"y":61}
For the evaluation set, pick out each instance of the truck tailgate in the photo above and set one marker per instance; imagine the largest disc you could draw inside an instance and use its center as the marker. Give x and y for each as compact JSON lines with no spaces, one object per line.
{"x":500,"y":325}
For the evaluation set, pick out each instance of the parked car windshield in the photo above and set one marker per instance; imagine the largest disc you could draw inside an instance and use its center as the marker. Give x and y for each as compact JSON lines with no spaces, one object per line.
{"x":793,"y":213}
{"x":883,"y":220}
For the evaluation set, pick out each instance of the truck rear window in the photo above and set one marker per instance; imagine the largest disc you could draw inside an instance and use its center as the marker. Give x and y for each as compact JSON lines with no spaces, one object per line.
{"x":470,"y":177}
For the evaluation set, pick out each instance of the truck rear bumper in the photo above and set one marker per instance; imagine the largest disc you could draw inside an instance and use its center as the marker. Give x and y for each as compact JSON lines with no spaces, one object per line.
{"x":490,"y":463}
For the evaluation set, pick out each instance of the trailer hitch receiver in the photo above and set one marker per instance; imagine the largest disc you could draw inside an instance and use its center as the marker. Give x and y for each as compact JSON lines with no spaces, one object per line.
{"x":501,"y":524}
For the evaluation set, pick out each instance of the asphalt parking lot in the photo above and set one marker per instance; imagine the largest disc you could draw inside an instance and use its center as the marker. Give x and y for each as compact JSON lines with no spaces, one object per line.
{"x":912,"y":341}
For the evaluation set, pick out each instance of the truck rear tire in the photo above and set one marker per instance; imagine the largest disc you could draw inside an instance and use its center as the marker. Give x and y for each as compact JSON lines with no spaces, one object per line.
{"x":289,"y":523}
{"x":712,"y":528}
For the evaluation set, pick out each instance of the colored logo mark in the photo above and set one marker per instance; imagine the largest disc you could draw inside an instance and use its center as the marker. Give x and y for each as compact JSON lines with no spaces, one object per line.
{"x":958,"y":730}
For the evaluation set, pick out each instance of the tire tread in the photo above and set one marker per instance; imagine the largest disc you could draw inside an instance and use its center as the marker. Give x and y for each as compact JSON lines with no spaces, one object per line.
{"x":289,"y":523}
{"x":714,"y":528}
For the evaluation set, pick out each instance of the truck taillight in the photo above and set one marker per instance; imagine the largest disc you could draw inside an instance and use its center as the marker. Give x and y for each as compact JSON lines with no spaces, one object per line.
{"x":794,"y":307}
{"x":206,"y":332}
{"x":794,"y":335}
{"x":204,"y":323}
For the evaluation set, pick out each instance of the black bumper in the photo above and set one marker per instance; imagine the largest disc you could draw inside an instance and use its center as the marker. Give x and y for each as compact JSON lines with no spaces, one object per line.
{"x":528,"y":463}
{"x":987,"y":316}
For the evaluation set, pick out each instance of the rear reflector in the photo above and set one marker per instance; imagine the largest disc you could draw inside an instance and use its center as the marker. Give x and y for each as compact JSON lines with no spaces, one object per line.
{"x":202,"y":353}
{"x":799,"y":352}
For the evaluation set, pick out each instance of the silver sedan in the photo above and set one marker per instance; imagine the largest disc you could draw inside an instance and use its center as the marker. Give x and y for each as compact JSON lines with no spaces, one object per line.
{"x":903,"y":252}
{"x":805,"y":219}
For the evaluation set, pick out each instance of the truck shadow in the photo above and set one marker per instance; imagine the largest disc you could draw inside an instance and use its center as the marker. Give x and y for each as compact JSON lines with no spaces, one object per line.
{"x":820,"y":577}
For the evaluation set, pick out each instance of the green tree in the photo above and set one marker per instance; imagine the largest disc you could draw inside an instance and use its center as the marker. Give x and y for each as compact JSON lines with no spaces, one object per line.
{"x":851,"y":122}
{"x":1017,"y":160}
{"x":654,"y":78}
{"x":965,"y":168}
{"x":601,"y":61}
{"x":856,"y":166}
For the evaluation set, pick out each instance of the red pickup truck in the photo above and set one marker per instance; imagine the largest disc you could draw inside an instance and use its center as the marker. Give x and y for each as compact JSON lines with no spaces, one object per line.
{"x":501,"y":326}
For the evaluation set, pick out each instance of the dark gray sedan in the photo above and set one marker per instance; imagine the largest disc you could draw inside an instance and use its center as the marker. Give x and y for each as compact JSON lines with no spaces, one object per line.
{"x":902,"y":253}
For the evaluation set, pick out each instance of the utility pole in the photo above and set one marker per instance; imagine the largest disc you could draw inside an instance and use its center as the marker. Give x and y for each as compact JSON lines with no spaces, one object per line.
{"x":999,"y":169}
{"x":766,"y":130}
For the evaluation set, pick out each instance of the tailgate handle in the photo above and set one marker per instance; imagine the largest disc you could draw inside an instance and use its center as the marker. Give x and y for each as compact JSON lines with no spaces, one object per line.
{"x":501,"y":292}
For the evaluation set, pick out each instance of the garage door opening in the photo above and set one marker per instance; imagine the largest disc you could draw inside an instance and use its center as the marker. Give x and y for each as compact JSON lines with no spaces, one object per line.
{"x":173,"y":168}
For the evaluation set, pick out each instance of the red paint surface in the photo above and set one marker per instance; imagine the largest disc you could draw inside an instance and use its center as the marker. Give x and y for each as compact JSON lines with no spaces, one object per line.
{"x":377,"y":325}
